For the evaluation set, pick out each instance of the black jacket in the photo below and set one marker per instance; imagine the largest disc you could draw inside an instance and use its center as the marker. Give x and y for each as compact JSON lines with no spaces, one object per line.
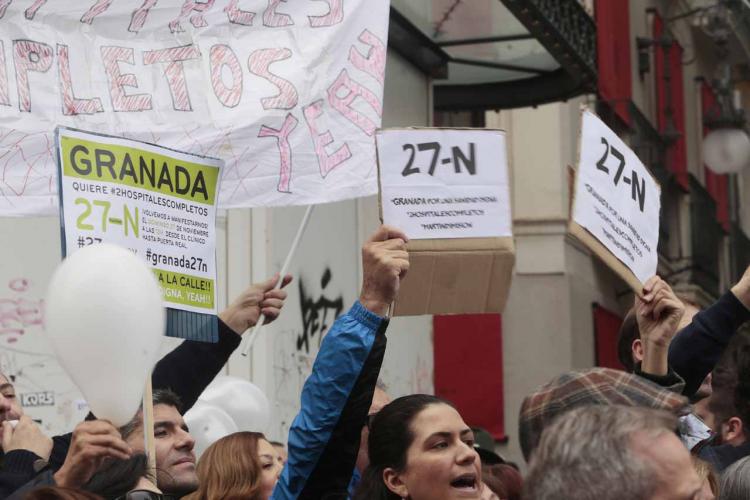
{"x":696,"y":349}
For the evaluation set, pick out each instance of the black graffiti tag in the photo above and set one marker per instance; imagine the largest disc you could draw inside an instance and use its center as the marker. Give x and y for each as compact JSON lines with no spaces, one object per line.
{"x":315,"y":313}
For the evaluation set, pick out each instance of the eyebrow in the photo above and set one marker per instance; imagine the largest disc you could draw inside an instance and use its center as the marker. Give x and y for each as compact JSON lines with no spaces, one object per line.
{"x":7,"y":386}
{"x":266,"y":455}
{"x":445,"y":434}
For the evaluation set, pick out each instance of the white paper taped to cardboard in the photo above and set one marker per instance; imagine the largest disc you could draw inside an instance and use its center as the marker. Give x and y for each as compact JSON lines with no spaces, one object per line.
{"x":445,"y":183}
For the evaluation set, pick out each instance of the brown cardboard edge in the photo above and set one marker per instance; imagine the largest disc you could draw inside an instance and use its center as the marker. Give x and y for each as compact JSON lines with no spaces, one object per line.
{"x":399,"y":309}
{"x":498,"y":244}
{"x":606,"y":256}
{"x":380,"y":185}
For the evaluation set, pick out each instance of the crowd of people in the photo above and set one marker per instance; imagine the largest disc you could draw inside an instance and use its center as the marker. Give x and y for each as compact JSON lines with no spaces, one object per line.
{"x":674,"y":426}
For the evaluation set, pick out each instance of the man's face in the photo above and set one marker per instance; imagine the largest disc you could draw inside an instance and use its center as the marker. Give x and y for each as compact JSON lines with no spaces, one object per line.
{"x":670,"y":461}
{"x":379,"y":400}
{"x":10,"y":406}
{"x":175,"y":460}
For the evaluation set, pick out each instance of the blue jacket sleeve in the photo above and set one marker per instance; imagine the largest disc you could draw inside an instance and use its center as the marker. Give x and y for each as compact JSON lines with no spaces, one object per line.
{"x":696,"y":349}
{"x":324,"y":437}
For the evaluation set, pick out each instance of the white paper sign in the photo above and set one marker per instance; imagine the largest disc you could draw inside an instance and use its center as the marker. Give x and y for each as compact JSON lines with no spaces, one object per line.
{"x":287,"y":93}
{"x":616,"y":198}
{"x":444,"y":183}
{"x":159,"y":203}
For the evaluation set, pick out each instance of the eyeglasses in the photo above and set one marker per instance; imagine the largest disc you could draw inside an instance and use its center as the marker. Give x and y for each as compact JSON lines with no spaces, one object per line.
{"x":142,"y":495}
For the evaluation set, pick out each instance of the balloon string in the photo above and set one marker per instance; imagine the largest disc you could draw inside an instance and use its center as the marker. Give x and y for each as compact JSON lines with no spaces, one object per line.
{"x":148,"y":426}
{"x":250,"y":340}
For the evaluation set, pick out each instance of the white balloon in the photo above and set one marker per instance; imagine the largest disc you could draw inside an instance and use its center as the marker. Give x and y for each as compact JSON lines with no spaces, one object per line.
{"x":208,"y":424}
{"x":104,"y":317}
{"x":726,"y":150}
{"x":242,"y":400}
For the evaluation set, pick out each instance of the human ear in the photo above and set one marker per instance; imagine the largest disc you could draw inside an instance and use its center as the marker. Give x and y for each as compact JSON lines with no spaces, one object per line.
{"x":637,"y":350}
{"x":734,"y":430}
{"x":395,"y":483}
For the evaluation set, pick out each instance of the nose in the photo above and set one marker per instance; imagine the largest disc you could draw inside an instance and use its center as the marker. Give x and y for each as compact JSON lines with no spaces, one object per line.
{"x":185,"y":440}
{"x":279,"y":468}
{"x":467,"y":455}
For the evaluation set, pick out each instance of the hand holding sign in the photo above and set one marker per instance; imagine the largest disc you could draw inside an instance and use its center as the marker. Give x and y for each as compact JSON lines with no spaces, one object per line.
{"x":616,"y":204}
{"x":105,"y":319}
{"x":658,"y":314}
{"x":385,"y":262}
{"x":261,"y":298}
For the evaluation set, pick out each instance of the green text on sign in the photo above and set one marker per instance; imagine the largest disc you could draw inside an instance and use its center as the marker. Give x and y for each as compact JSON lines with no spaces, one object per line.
{"x":138,"y":168}
{"x":185,"y":289}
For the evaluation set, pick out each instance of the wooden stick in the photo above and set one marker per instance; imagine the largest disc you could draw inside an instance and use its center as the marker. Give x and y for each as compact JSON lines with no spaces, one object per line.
{"x":148,"y":426}
{"x":250,"y":340}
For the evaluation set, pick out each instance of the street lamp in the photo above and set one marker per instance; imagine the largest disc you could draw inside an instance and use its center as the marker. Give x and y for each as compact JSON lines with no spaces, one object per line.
{"x":726,"y":150}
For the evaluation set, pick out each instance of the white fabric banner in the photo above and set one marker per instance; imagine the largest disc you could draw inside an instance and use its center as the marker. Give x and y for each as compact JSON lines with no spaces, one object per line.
{"x":288,"y":94}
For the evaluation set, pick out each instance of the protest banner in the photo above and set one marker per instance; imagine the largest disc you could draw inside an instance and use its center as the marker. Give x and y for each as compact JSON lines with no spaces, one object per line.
{"x":616,"y":204}
{"x":289,"y":94}
{"x":159,"y":203}
{"x":443,"y":183}
{"x":447,"y":189}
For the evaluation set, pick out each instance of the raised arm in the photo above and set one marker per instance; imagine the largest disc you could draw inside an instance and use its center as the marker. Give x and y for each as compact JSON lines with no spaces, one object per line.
{"x":324,"y":437}
{"x":696,"y":349}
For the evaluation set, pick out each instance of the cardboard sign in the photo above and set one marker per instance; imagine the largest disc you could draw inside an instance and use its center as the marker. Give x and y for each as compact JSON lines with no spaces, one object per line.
{"x":616,"y":203}
{"x":287,"y":93}
{"x":443,"y":183}
{"x":159,"y":203}
{"x":448,"y":190}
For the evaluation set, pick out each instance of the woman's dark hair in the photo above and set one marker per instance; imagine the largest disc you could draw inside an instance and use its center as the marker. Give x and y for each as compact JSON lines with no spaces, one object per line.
{"x":390,"y":438}
{"x":116,"y":477}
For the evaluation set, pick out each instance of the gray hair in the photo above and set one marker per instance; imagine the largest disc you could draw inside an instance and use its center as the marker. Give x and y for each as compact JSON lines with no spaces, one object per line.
{"x":587,"y":454}
{"x":735,"y":481}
